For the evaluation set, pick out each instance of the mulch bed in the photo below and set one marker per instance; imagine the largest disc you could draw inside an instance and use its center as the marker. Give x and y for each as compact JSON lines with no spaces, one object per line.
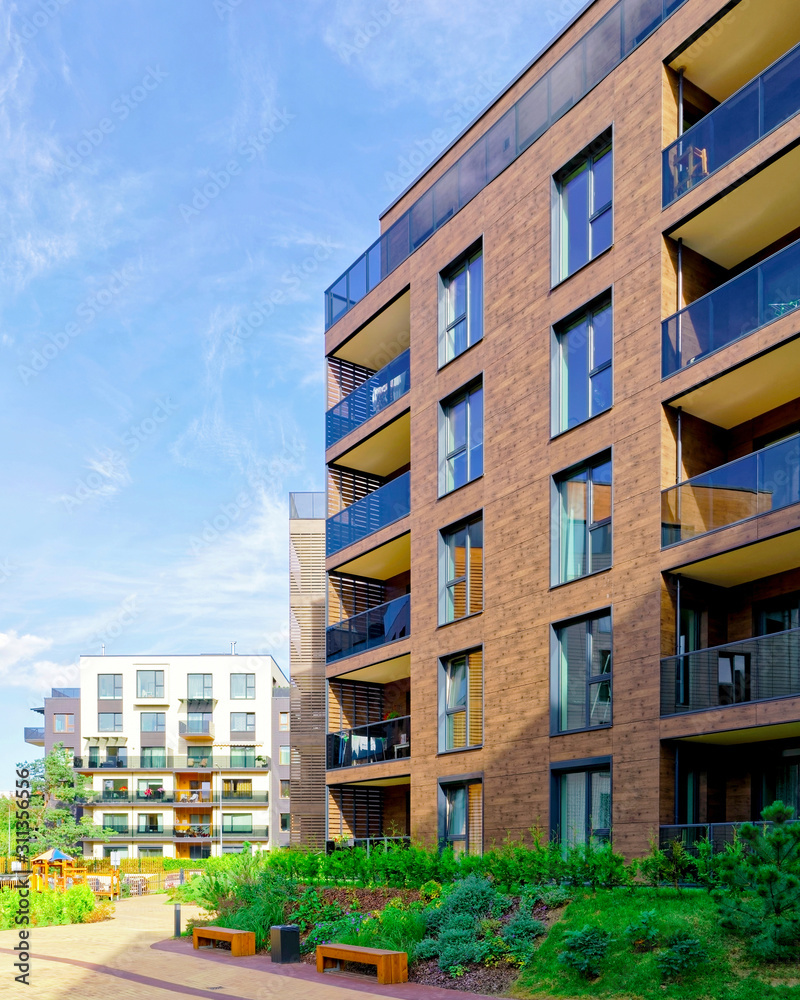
{"x":368,"y":900}
{"x":477,"y":978}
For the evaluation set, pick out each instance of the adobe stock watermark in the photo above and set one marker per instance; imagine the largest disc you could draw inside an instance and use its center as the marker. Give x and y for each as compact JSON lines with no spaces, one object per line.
{"x":364,"y":33}
{"x":455,"y":118}
{"x":39,"y":19}
{"x":122,"y":618}
{"x":219,"y":180}
{"x":214,"y":527}
{"x":226,"y":7}
{"x":7,"y":570}
{"x":122,"y":108}
{"x":87,"y":311}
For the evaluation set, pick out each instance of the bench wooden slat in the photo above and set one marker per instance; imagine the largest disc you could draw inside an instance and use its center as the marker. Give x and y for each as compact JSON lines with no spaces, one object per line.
{"x":242,"y":942}
{"x":391,"y":966}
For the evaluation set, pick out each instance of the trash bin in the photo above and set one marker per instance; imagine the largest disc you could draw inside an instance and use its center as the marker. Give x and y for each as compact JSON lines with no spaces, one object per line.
{"x":284,"y":942}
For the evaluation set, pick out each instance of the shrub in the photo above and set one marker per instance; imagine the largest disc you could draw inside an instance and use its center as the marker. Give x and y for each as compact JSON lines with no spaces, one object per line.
{"x":597,"y":865}
{"x":519,"y":936}
{"x":551,"y":896}
{"x":643,"y":933}
{"x":311,"y":910}
{"x":682,"y":956}
{"x":585,"y":950}
{"x":102,"y":911}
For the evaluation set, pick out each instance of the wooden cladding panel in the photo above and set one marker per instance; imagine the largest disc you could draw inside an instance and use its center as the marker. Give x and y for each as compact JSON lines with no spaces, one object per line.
{"x":345,"y":486}
{"x":475,"y":818}
{"x":350,"y":595}
{"x":344,"y":377}
{"x":351,"y":704}
{"x":355,"y":812}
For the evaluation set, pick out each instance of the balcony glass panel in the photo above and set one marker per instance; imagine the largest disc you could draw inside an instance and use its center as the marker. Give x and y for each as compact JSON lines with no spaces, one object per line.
{"x":374,"y":395}
{"x":601,"y":50}
{"x":761,"y":482}
{"x":742,"y":305}
{"x":747,"y":116}
{"x":738,"y":672}
{"x":372,"y":628}
{"x":369,"y":514}
{"x":379,"y":741}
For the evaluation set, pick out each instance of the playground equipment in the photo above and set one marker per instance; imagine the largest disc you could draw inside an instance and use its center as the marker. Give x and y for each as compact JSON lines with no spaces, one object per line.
{"x":55,"y":870}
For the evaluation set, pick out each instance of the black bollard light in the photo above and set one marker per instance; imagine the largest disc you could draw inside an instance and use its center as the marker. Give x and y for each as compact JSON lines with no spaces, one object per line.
{"x":177,"y":933}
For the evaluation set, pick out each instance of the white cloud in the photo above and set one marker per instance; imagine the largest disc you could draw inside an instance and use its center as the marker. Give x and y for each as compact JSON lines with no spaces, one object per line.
{"x":20,"y":665}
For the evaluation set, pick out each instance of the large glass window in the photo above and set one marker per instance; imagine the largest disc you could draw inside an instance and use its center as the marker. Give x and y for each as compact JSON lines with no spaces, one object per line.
{"x":582,"y":807}
{"x":63,"y":723}
{"x":461,"y":439}
{"x":198,"y":722}
{"x":582,"y":379}
{"x":109,"y":685}
{"x":149,"y":683}
{"x":583,"y":510}
{"x":116,"y":822}
{"x":199,"y":686}
{"x":154,"y":722}
{"x":461,"y":816}
{"x":201,"y":756}
{"x":284,"y":755}
{"x":109,"y":722}
{"x":243,"y":722}
{"x":582,"y":673}
{"x":779,"y":615}
{"x":461,"y":571}
{"x":461,"y":308}
{"x":243,"y":686}
{"x":461,"y":701}
{"x":151,"y":823}
{"x":237,"y":822}
{"x":582,"y":220}
{"x":151,"y":852}
{"x":243,"y":756}
{"x":153,"y":756}
{"x":283,"y":722}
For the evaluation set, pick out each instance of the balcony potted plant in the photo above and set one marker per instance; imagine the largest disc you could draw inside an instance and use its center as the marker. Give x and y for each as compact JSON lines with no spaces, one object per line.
{"x":262,"y":761}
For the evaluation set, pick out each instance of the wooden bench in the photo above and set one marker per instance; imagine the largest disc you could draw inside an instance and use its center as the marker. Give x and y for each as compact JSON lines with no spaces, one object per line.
{"x":242,"y":942}
{"x":391,"y":966}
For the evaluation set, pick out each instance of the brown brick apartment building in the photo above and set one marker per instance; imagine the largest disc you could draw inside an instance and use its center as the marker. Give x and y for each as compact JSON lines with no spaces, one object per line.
{"x":563,"y":536}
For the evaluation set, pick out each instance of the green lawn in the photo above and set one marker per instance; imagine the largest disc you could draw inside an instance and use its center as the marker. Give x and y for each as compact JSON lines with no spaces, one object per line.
{"x":726,"y":975}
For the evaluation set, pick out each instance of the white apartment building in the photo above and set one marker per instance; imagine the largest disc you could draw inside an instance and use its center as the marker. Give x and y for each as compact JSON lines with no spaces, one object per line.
{"x":182,"y":753}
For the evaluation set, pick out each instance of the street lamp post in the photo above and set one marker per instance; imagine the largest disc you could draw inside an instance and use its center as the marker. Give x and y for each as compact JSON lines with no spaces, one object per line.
{"x":218,"y":767}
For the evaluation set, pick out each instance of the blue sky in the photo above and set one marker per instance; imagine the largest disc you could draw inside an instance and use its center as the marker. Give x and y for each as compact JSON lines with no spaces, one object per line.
{"x":180,"y":180}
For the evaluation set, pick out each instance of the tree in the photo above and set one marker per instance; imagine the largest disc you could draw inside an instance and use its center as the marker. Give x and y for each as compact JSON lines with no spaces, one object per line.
{"x":56,"y":792}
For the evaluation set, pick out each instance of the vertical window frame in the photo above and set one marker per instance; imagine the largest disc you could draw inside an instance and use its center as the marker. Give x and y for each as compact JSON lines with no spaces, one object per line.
{"x":466,"y":261}
{"x":249,"y":685}
{"x":587,"y":767}
{"x":446,"y":787}
{"x":207,"y":686}
{"x":157,"y":687}
{"x":447,"y":584}
{"x":559,"y":422}
{"x":558,"y":496}
{"x":116,"y":685}
{"x":445,"y":663}
{"x":558,"y":678}
{"x":468,"y":394}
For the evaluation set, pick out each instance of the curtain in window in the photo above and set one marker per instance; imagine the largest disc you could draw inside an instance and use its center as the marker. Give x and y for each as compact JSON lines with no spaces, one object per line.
{"x":475,"y":805}
{"x":456,"y":704}
{"x":573,"y":808}
{"x":475,"y":694}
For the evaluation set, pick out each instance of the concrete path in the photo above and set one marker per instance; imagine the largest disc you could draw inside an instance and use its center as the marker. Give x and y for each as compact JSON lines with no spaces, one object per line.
{"x":133,"y":957}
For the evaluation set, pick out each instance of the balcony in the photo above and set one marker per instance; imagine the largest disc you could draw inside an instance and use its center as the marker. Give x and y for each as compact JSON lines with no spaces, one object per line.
{"x":756,"y":484}
{"x":196,"y":731}
{"x":124,"y":797}
{"x":372,"y":396}
{"x":762,"y":105}
{"x":387,"y":740}
{"x":741,"y":306}
{"x":373,"y":628}
{"x":194,"y":831}
{"x":245,"y":797}
{"x":174,"y":762}
{"x":691,"y":835}
{"x":757,"y":669}
{"x":34,"y":735}
{"x":378,"y":509}
{"x":254,"y":833}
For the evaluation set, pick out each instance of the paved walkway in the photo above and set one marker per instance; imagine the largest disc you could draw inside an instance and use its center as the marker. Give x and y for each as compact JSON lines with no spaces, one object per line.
{"x":133,"y":957}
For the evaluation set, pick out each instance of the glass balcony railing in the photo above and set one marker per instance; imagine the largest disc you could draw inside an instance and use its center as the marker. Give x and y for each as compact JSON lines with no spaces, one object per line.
{"x":692,"y":835}
{"x":374,"y":395}
{"x":590,"y":60}
{"x":34,"y":734}
{"x":758,"y":483}
{"x":758,"y":669}
{"x":174,"y":762}
{"x":369,"y":514}
{"x":742,"y":305}
{"x":760,"y":106}
{"x":389,"y":739}
{"x":372,"y":628}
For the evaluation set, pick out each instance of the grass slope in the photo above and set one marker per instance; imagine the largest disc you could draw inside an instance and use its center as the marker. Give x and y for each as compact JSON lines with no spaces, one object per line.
{"x":726,"y":975}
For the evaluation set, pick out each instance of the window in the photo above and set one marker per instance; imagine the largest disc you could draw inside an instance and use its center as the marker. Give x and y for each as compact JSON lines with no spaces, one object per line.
{"x":197,"y":851}
{"x":198,"y":686}
{"x":63,"y":723}
{"x":779,"y":615}
{"x":109,"y":722}
{"x":150,"y":788}
{"x":283,"y":722}
{"x":243,"y":756}
{"x":461,"y":439}
{"x":285,"y":788}
{"x":582,"y":803}
{"x":152,"y":852}
{"x":151,"y":823}
{"x":154,"y":722}
{"x":118,"y":849}
{"x":583,"y":509}
{"x":198,"y":722}
{"x":153,"y":756}
{"x":201,"y":756}
{"x":118,"y":822}
{"x":243,"y":722}
{"x":237,"y":788}
{"x":582,"y":213}
{"x":582,"y":384}
{"x":243,"y":686}
{"x":109,"y":685}
{"x":582,"y":673}
{"x":461,"y":701}
{"x":149,"y":683}
{"x":237,"y":822}
{"x":286,"y":822}
{"x":284,"y":755}
{"x":461,"y":571}
{"x":460,"y":307}
{"x":461,"y":816}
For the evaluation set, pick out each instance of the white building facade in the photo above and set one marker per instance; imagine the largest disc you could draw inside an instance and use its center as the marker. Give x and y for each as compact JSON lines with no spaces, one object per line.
{"x":181,"y":754}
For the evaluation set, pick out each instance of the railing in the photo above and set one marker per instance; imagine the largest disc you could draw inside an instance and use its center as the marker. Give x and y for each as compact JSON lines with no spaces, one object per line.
{"x":372,"y":396}
{"x":372,"y":628}
{"x":581,"y":68}
{"x":758,"y":483}
{"x":760,"y":106}
{"x":196,"y":728}
{"x":752,"y":299}
{"x":389,"y":739}
{"x":767,"y":666}
{"x":98,"y":798}
{"x":259,"y":832}
{"x":65,"y":692}
{"x":368,"y":843}
{"x":245,"y":797}
{"x":195,"y":831}
{"x":719,"y":835}
{"x":34,"y":733}
{"x":193,"y":796}
{"x":307,"y":506}
{"x":376,"y":510}
{"x":172,"y":762}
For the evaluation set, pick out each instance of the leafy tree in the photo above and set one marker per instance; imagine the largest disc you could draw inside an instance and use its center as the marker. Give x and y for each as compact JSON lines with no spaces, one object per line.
{"x":56,"y":791}
{"x":759,"y":896}
{"x":8,"y":826}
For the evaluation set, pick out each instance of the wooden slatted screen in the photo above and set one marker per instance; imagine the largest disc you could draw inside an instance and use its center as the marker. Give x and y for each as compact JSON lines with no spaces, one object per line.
{"x":475,"y":818}
{"x":350,"y":595}
{"x":344,"y":377}
{"x":351,"y":704}
{"x":475,"y":697}
{"x":345,"y":486}
{"x":355,"y":812}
